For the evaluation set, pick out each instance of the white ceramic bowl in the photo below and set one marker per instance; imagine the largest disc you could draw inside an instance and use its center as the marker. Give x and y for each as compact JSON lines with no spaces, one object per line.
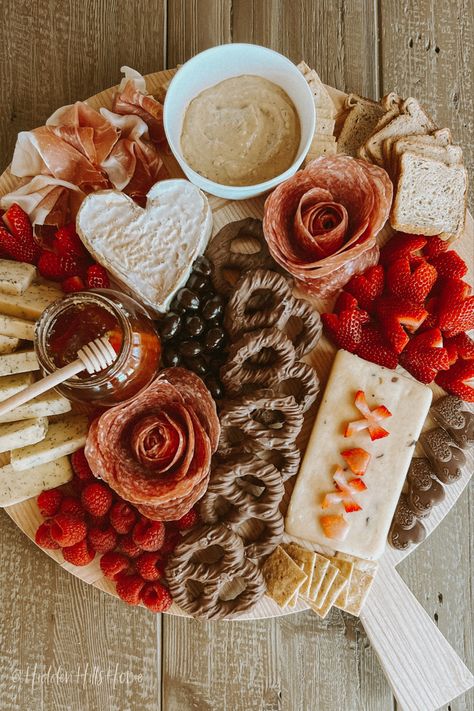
{"x":213,"y":66}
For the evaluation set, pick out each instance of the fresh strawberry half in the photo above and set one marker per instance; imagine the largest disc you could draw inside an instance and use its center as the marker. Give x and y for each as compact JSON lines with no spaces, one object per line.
{"x":334,"y":526}
{"x":14,"y":248}
{"x":345,"y":302}
{"x":401,"y":245}
{"x":358,"y":460}
{"x":58,"y":267}
{"x":68,"y":243}
{"x":371,"y":421}
{"x":18,"y":222}
{"x":449,"y":265}
{"x":345,"y":328}
{"x":425,"y":355}
{"x":344,"y":493}
{"x":458,"y":380}
{"x":455,"y":318}
{"x":395,"y":314}
{"x":459,"y":347}
{"x":435,"y":246}
{"x":374,"y":348}
{"x":367,"y":287}
{"x":411,"y":281}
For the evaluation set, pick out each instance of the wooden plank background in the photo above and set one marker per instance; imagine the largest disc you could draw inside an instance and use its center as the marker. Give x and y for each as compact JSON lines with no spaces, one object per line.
{"x":64,"y":645}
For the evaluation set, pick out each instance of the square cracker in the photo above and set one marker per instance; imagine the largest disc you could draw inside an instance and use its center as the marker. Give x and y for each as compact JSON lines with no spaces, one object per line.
{"x":363,"y":575}
{"x":305,"y":559}
{"x":320,"y":569}
{"x":339,"y":584}
{"x":282,"y":576}
{"x":331,"y":573}
{"x":293,"y":601}
{"x":322,"y":100}
{"x":345,"y":568}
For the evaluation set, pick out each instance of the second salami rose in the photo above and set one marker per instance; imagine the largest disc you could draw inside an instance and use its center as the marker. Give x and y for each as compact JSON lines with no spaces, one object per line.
{"x":155,"y":450}
{"x":321,"y":224}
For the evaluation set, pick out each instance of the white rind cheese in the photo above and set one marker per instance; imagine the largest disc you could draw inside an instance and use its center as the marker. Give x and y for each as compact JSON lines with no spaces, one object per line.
{"x":18,"y":486}
{"x":409,"y":402}
{"x":63,"y":438}
{"x":50,"y":403}
{"x":15,"y":277}
{"x":20,"y":362}
{"x":31,"y":304}
{"x":13,"y":384}
{"x":20,"y":434}
{"x":17,"y":328}
{"x":8,"y":345}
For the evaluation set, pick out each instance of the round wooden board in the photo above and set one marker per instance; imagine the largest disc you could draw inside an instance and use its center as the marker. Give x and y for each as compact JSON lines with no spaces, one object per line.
{"x":26,"y":514}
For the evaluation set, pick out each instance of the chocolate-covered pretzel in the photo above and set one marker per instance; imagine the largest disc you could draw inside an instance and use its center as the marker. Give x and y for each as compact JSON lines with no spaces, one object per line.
{"x":196,"y":585}
{"x":424,"y":491}
{"x":220,"y":252}
{"x":452,"y":414}
{"x":446,"y":458}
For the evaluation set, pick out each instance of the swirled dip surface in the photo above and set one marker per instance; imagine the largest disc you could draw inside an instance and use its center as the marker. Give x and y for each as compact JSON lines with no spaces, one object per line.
{"x":242,"y":131}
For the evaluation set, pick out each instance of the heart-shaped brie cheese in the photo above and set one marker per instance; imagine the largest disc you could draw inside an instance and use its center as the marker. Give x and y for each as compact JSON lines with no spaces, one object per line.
{"x":149,"y":251}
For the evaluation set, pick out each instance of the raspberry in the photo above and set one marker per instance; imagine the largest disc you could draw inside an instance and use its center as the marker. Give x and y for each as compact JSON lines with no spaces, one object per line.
{"x":149,"y":535}
{"x":102,"y":540}
{"x":189,"y":520}
{"x":49,"y":502}
{"x":67,"y":529}
{"x":97,"y":277}
{"x":150,"y":566}
{"x":96,"y":499}
{"x":127,"y":545}
{"x":172,"y":538}
{"x":43,"y":536}
{"x":122,"y":517}
{"x":81,"y":466}
{"x":80,"y":553}
{"x":112,"y":564}
{"x":72,"y":505}
{"x":129,"y":588}
{"x":156,"y":597}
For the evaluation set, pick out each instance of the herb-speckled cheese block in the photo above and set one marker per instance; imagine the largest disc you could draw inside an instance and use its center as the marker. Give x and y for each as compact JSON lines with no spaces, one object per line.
{"x":13,"y":384}
{"x":8,"y":345}
{"x":18,"y":486}
{"x":15,"y":277}
{"x":19,"y":434}
{"x":409,"y":402}
{"x":17,"y":328}
{"x":31,"y":304}
{"x":50,"y":403}
{"x":20,"y":362}
{"x":63,"y":438}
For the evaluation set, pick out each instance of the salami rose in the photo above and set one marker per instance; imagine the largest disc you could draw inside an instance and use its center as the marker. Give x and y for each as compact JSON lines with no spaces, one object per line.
{"x":155,"y":450}
{"x":321,"y":224}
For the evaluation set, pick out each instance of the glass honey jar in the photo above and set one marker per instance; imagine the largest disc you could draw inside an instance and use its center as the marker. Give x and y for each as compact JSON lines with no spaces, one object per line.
{"x":70,"y":323}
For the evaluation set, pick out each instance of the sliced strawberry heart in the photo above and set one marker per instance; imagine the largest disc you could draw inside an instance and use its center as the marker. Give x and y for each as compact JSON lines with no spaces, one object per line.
{"x":334,"y":526}
{"x":345,"y":302}
{"x":358,"y":460}
{"x":374,"y":348}
{"x":458,"y":380}
{"x":457,"y":317}
{"x":345,"y":328}
{"x":411,"y":280}
{"x":401,"y":245}
{"x":449,"y":265}
{"x":395,"y":314}
{"x":425,"y":355}
{"x":368,"y":286}
{"x":435,"y":246}
{"x":371,"y":421}
{"x":460,"y":346}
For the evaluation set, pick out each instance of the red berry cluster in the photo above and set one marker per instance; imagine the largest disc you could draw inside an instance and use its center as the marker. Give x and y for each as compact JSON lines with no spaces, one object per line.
{"x":64,"y":259}
{"x":412,"y":309}
{"x":94,"y":520}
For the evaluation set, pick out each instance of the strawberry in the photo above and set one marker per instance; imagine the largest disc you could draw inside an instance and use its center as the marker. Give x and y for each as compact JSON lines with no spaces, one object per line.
{"x":97,"y":277}
{"x":456,"y":380}
{"x":425,"y":355}
{"x":68,"y":243}
{"x":96,"y":498}
{"x":334,"y":526}
{"x":431,"y":306}
{"x":58,"y":267}
{"x":345,"y":328}
{"x":14,"y":248}
{"x":73,"y":284}
{"x":344,"y":493}
{"x":394,"y":314}
{"x":371,"y":421}
{"x":367,"y":287}
{"x":43,"y":536}
{"x":358,"y":460}
{"x":67,"y":529}
{"x":460,"y":346}
{"x":148,"y":535}
{"x":412,"y":282}
{"x":112,"y":564}
{"x":49,"y":502}
{"x":129,"y":588}
{"x":81,"y":553}
{"x":345,"y":302}
{"x":374,"y":347}
{"x":401,"y":245}
{"x":156,"y":597}
{"x":435,"y":246}
{"x":189,"y":520}
{"x":454,"y":318}
{"x":449,"y":265}
{"x":150,"y":566}
{"x":18,"y":222}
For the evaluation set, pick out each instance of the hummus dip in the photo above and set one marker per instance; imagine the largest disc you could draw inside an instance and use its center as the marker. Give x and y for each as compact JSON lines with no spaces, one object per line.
{"x":242,"y":131}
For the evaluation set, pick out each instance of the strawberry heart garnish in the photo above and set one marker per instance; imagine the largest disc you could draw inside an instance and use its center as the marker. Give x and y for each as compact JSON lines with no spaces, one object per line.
{"x":371,"y":421}
{"x":411,"y":280}
{"x":401,"y":245}
{"x":367,"y":287}
{"x":425,"y":355}
{"x":345,"y":328}
{"x":457,"y":380}
{"x":395,"y":314}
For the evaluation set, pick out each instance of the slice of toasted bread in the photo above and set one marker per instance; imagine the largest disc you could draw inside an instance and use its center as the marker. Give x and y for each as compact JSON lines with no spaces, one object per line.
{"x":430,"y":198}
{"x":360,"y":121}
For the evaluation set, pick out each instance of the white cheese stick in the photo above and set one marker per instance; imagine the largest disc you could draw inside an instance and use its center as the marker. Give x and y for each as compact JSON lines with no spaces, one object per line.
{"x":20,"y":362}
{"x":19,"y":434}
{"x":17,"y":328}
{"x":13,"y":384}
{"x":31,"y":304}
{"x":15,"y":277}
{"x":64,"y":437}
{"x":409,"y":402}
{"x":8,"y":345}
{"x":50,"y":403}
{"x":18,"y":486}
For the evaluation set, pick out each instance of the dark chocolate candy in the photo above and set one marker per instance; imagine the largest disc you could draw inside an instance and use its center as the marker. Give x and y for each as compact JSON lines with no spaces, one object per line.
{"x":452,"y":414}
{"x":445,"y":456}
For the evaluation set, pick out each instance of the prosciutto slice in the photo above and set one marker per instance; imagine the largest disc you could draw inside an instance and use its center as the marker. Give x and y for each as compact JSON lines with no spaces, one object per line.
{"x":321,"y":224}
{"x":131,"y":100}
{"x":155,"y":451}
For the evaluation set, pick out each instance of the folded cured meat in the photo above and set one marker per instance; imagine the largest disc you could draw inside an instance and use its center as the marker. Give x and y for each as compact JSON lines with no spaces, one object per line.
{"x":155,"y":450}
{"x":47,"y":200}
{"x":132,"y":100}
{"x":321,"y":224}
